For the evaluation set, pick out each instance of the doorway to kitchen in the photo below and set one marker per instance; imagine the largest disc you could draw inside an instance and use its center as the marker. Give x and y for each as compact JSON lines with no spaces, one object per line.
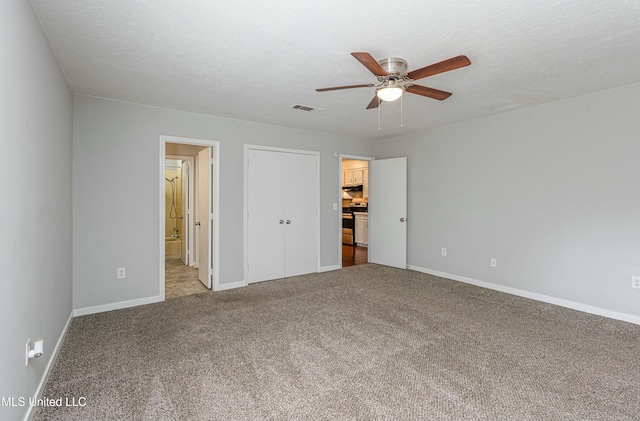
{"x":189,"y":180}
{"x":354,"y":219}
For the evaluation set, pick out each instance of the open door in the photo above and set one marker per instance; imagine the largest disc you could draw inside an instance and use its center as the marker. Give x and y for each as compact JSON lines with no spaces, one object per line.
{"x":185,"y":222}
{"x":388,"y":212}
{"x":204,"y":216}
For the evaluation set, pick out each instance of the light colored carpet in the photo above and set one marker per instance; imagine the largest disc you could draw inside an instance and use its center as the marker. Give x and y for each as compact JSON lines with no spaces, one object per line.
{"x":363,"y":343}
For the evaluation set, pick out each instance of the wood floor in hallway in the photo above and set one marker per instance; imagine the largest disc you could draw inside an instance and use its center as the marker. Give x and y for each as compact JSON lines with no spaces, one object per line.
{"x":352,"y":256}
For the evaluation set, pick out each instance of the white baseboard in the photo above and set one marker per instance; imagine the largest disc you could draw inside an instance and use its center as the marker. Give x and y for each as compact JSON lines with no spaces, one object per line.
{"x":534,"y":296}
{"x":45,"y":375}
{"x":231,"y":285}
{"x":329,"y":268}
{"x":116,"y":306}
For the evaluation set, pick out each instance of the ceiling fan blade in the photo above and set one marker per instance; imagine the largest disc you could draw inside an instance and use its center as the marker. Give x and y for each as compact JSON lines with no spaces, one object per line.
{"x":440,"y":67}
{"x":375,"y":103}
{"x":428,"y":92}
{"x":335,"y":88}
{"x":370,"y":63}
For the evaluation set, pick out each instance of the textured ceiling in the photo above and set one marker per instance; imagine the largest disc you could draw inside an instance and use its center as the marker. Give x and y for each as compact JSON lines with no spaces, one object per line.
{"x":253,"y":60}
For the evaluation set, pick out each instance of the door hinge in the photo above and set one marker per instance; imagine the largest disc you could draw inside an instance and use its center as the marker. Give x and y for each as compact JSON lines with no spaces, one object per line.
{"x":211,"y":216}
{"x":211,"y":272}
{"x":210,"y":161}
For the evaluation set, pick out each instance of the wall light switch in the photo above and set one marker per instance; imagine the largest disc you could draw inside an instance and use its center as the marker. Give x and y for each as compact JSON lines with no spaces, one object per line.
{"x":635,"y":282}
{"x":121,"y":273}
{"x":443,"y":251}
{"x":494,"y":263}
{"x":335,"y":206}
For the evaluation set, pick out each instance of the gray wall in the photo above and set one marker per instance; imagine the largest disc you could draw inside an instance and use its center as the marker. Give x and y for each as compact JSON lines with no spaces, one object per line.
{"x":552,"y":192}
{"x":35,"y":157}
{"x":116,"y":207}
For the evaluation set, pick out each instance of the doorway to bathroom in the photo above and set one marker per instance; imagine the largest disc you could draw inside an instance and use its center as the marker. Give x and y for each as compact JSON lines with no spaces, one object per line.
{"x":189,"y":216}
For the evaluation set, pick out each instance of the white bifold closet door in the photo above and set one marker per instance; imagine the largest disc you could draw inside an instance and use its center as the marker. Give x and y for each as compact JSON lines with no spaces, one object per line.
{"x":282,"y":225}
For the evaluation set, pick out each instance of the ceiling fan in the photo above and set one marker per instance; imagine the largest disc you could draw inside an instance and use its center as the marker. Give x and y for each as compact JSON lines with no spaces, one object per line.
{"x":393,"y":79}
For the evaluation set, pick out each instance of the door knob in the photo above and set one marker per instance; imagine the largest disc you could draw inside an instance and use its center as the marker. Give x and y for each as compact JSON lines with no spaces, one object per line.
{"x":403,"y":219}
{"x":288,"y":222}
{"x":197,"y":223}
{"x":282,"y":221}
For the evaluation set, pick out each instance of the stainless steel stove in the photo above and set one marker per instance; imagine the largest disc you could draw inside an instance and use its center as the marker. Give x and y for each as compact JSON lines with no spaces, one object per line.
{"x":349,"y":222}
{"x":359,"y":207}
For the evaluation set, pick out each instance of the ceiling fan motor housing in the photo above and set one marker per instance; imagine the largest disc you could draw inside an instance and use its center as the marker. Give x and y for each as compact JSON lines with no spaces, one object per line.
{"x":395,"y":66}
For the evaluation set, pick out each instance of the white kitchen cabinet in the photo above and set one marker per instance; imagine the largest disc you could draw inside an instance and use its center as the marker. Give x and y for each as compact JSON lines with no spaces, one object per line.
{"x":357,"y":177}
{"x":352,"y":177}
{"x":282,"y":227}
{"x":348,"y":178}
{"x":362,"y":228}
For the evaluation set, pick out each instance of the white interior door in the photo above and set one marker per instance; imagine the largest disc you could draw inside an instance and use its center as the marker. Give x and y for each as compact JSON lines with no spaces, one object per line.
{"x":388,"y":212}
{"x":203,"y":219}
{"x":213,"y":194}
{"x":301,"y":210}
{"x":185,"y":222}
{"x":266,"y":190}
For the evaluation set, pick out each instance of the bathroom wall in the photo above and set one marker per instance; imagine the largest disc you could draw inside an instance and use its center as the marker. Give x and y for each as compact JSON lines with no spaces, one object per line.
{"x":170,"y":223}
{"x":182,"y":149}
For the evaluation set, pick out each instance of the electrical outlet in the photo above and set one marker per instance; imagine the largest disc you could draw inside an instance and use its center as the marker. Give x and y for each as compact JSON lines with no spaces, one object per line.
{"x":494,"y":263}
{"x":443,"y":252}
{"x":635,"y":282}
{"x":121,"y":273}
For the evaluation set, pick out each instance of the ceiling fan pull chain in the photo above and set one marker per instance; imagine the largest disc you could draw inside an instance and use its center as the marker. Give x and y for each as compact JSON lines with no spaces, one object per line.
{"x":401,"y":125}
{"x":379,"y":128}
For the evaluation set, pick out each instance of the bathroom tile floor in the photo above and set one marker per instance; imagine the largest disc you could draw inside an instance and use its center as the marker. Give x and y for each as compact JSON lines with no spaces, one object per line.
{"x":181,"y":280}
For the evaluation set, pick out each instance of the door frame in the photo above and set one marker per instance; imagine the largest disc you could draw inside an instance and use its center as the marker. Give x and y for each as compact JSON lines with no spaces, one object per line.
{"x":215,"y":145}
{"x":245,"y":209}
{"x":340,"y":158}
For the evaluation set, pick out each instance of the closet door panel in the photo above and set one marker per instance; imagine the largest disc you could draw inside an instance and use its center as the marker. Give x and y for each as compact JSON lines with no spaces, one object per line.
{"x":266,"y":207}
{"x":301,"y":237}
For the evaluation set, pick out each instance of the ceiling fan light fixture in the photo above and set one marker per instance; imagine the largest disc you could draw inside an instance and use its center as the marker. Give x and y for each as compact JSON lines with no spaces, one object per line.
{"x":393,"y":79}
{"x":389,"y":93}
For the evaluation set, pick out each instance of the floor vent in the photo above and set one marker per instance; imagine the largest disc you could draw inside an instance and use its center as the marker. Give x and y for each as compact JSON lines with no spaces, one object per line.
{"x":305,"y":107}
